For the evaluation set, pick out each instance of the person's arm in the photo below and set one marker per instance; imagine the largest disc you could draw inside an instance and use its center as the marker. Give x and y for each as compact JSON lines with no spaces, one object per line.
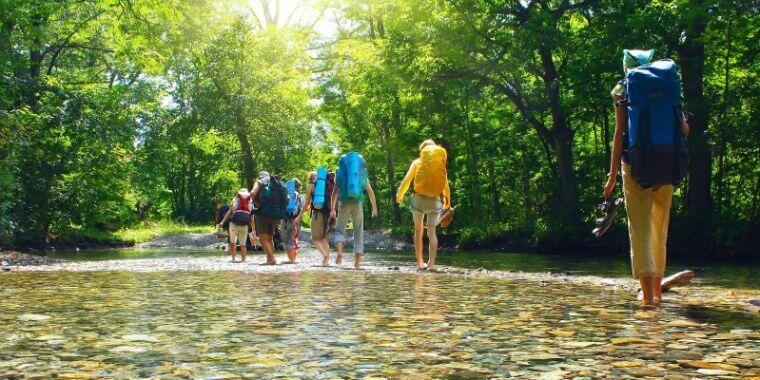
{"x":252,"y":223}
{"x":255,"y":190}
{"x":372,"y":199}
{"x":621,"y":119}
{"x":685,"y":128}
{"x":446,"y":195}
{"x":406,"y":182}
{"x":334,"y":202}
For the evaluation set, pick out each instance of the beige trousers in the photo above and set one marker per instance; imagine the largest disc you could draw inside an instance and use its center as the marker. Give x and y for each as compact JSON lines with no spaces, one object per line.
{"x":648,"y":217}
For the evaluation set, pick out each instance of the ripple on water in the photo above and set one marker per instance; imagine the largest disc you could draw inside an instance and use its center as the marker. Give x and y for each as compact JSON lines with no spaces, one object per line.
{"x":323,"y":324}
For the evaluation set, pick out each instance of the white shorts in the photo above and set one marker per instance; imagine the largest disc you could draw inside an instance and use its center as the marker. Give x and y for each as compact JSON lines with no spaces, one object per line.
{"x":238,"y":234}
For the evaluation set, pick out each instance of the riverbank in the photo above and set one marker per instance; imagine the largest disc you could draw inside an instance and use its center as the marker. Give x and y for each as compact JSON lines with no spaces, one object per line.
{"x":134,"y":236}
{"x":9,"y":259}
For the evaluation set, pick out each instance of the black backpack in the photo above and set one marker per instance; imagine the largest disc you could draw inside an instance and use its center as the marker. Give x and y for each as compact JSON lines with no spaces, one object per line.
{"x":273,"y":197}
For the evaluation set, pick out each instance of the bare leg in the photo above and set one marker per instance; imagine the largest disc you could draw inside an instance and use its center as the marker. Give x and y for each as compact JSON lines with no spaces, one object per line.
{"x":357,"y":260}
{"x":432,"y":247}
{"x":267,"y":243}
{"x":232,"y":250}
{"x":647,"y":290}
{"x":324,"y":248}
{"x":243,"y":252}
{"x":657,"y":290}
{"x":339,"y":258}
{"x":418,"y":247}
{"x":291,"y":255}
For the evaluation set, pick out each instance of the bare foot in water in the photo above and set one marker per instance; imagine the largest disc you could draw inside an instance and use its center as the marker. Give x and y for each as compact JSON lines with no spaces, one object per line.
{"x":648,"y":306}
{"x":339,"y":260}
{"x":326,"y":261}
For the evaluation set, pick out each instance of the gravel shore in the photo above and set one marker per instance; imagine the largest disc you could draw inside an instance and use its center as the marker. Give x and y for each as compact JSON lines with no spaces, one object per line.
{"x":13,"y":258}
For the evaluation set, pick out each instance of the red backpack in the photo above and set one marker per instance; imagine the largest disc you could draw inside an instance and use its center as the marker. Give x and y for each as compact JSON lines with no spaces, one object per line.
{"x":241,"y":216}
{"x":244,"y":203}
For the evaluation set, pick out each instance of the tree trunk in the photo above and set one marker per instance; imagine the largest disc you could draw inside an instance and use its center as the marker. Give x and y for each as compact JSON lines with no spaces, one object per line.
{"x":248,"y":167}
{"x":722,"y":146}
{"x":564,"y":152}
{"x":495,"y":204}
{"x":390,"y":172}
{"x":562,"y":136}
{"x":35,"y":64}
{"x":692,"y":54}
{"x":245,"y":146}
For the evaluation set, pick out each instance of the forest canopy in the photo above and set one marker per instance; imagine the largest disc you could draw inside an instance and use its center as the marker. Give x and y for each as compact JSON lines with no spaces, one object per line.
{"x":112,"y":111}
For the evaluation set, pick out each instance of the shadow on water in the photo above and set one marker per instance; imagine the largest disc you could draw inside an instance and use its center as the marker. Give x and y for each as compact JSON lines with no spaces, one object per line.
{"x":726,"y":319}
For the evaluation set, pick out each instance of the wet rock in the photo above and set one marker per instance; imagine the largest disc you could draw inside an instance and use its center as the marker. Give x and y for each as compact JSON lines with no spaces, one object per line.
{"x":34,"y":317}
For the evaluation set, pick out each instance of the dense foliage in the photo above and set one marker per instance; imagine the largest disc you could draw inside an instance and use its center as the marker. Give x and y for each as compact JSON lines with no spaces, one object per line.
{"x":111,"y":107}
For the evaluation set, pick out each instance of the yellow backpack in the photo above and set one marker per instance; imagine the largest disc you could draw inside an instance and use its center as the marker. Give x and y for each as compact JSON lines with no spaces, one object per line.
{"x":431,"y":171}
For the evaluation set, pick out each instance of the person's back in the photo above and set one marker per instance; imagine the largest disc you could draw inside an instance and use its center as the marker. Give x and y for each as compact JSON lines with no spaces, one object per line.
{"x":271,"y":200}
{"x":351,"y":183}
{"x":431,"y":197}
{"x":318,"y":200}
{"x":238,"y":217}
{"x":649,"y":131}
{"x":290,"y":225}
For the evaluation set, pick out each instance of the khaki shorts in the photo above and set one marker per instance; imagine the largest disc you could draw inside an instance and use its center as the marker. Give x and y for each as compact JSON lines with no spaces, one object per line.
{"x":265,"y":225}
{"x":319,"y":225}
{"x":429,"y":207}
{"x":238,"y":234}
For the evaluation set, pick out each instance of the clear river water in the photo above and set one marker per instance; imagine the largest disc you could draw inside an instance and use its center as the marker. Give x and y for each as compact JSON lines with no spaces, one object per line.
{"x":171,"y":314}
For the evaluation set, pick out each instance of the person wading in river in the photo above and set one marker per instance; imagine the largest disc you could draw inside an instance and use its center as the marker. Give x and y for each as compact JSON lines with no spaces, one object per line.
{"x":649,"y":137}
{"x":350,"y":184}
{"x":431,"y":183}
{"x":318,"y":196}
{"x":291,"y":225}
{"x":240,"y":216}
{"x":270,"y":196}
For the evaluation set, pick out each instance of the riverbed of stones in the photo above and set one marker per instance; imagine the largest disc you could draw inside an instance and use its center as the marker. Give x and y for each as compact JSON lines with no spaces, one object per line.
{"x":739,"y":300}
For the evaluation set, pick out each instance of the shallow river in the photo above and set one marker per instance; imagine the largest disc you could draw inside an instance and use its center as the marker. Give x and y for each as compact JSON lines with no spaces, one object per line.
{"x":306,"y":322}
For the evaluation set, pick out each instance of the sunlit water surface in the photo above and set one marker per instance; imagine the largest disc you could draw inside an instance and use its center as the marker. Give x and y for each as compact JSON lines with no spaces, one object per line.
{"x":350,"y":324}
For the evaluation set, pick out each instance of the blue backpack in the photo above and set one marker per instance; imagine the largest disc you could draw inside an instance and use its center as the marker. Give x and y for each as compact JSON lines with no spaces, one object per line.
{"x":292,"y":207}
{"x":319,"y":188}
{"x":352,"y":177}
{"x":655,"y":146}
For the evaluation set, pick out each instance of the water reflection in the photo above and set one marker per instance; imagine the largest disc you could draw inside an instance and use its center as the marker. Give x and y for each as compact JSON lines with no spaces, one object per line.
{"x":325,"y":324}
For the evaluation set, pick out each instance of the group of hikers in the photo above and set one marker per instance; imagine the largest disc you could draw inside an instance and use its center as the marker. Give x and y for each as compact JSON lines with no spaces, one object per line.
{"x":648,"y":143}
{"x":334,"y":198}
